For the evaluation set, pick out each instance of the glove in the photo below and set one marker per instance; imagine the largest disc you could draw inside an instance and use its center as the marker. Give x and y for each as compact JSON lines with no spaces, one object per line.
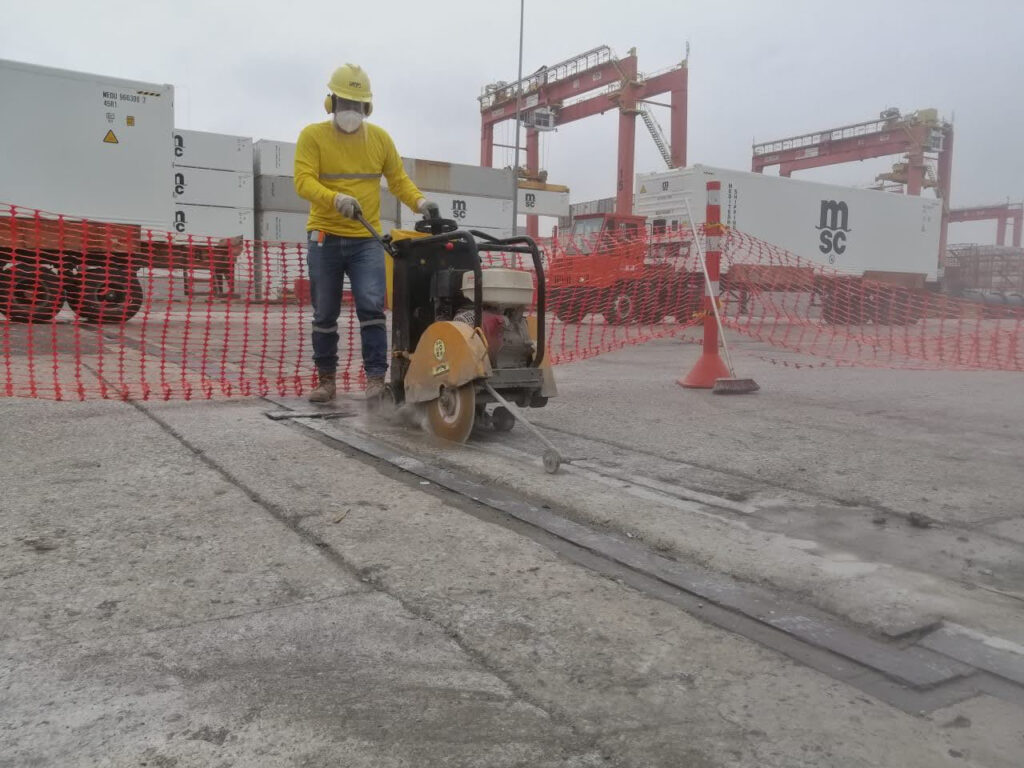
{"x":429,"y":209}
{"x":347,"y":206}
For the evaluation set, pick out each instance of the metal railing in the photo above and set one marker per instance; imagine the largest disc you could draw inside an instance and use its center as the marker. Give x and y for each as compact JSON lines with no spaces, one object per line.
{"x":821,"y":137}
{"x":499,"y":93}
{"x":654,"y":128}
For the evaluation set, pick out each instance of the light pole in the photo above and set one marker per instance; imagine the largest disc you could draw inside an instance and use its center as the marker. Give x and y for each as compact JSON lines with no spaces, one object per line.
{"x":519,"y":106}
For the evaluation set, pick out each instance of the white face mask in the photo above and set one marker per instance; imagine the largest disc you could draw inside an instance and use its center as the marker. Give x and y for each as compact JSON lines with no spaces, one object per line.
{"x":348,"y":120}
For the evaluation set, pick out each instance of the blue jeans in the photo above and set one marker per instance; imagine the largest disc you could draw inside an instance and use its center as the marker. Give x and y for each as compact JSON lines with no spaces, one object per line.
{"x":362,"y":258}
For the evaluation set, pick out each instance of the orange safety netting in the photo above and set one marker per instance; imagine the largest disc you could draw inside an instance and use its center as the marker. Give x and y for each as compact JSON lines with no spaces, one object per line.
{"x":92,"y":309}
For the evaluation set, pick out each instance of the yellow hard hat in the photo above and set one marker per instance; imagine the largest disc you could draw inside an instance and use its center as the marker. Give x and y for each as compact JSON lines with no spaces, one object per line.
{"x":351,"y":82}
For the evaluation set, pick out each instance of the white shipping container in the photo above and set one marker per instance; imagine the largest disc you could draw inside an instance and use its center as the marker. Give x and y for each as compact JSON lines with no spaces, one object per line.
{"x":290,"y":227}
{"x":274,"y":158}
{"x":86,"y":145}
{"x":214,"y":221}
{"x":281,"y":226}
{"x":850,"y":229}
{"x":459,"y":179}
{"x":468,"y":211}
{"x":277,"y":193}
{"x":501,"y":232}
{"x":202,"y":186}
{"x":217,"y":151}
{"x":543,"y":202}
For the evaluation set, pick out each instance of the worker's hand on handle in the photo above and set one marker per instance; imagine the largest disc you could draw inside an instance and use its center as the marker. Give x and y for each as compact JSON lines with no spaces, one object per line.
{"x":429,"y":208}
{"x":347,"y":206}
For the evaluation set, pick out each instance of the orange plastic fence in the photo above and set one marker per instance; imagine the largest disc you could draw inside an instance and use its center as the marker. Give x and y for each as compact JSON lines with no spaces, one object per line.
{"x":94,"y":310}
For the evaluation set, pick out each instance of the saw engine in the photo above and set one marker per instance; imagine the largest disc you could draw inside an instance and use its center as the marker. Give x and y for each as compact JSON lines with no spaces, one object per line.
{"x":508,"y":336}
{"x":507,"y":294}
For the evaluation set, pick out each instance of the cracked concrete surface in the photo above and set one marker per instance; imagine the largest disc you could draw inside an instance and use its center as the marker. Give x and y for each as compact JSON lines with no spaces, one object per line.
{"x":254,"y":597}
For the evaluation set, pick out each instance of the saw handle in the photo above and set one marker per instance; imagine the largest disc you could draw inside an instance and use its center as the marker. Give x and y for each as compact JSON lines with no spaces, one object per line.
{"x":384,"y":241}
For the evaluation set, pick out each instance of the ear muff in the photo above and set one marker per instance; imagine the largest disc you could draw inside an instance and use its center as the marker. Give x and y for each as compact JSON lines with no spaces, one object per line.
{"x":331,"y":101}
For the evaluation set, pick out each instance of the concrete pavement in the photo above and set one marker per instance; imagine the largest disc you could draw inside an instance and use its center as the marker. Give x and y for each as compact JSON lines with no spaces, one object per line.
{"x":192,"y":584}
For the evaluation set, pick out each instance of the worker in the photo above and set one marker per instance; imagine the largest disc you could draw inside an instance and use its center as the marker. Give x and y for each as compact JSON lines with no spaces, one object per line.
{"x":338,"y":166}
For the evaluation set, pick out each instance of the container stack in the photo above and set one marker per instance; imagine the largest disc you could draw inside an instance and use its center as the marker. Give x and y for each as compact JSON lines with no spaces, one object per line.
{"x":280,"y":222}
{"x":280,"y":213}
{"x":213,"y":185}
{"x":475,"y":197}
{"x":213,"y":194}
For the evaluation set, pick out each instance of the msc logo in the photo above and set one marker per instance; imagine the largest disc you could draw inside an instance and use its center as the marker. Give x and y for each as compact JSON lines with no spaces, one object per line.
{"x":458,"y":209}
{"x":179,"y":183}
{"x":834,"y":225}
{"x":179,"y":221}
{"x":179,"y":145}
{"x":531,"y":200}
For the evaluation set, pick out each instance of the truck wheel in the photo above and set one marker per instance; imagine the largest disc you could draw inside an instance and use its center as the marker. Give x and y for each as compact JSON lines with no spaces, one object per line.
{"x":570,"y":313}
{"x":902,"y":308}
{"x":104,"y":295}
{"x":829,"y":313}
{"x":620,"y":305}
{"x":651,"y":308}
{"x":29,"y":293}
{"x":687,"y":303}
{"x":569,"y":306}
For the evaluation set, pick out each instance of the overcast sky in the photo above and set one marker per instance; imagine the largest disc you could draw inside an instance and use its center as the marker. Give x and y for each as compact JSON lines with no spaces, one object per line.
{"x":760,"y":70}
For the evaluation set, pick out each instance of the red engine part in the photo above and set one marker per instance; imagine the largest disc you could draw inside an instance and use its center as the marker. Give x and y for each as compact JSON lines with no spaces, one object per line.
{"x":493,"y":326}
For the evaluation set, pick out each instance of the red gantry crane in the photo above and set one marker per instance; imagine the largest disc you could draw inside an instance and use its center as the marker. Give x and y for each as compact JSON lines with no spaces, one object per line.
{"x":1001,"y":214}
{"x":558,"y":95}
{"x":922,"y":137}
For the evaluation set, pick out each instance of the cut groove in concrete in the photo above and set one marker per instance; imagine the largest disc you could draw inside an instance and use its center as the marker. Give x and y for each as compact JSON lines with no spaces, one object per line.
{"x":916,"y":667}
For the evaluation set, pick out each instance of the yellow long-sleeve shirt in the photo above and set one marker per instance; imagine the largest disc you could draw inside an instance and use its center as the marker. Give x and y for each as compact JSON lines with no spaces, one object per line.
{"x":328,"y":161}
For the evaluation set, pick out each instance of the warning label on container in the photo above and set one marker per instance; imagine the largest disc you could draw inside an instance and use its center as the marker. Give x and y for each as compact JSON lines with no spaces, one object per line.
{"x":110,"y":138}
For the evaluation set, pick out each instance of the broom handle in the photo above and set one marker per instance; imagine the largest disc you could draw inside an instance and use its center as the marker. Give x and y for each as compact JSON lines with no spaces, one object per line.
{"x":707,"y":282}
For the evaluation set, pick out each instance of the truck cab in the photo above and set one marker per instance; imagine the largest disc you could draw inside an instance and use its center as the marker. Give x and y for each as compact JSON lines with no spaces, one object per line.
{"x":597,"y":232}
{"x":605,"y":267}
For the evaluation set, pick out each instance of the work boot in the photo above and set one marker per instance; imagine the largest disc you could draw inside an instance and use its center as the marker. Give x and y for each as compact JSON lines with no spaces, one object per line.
{"x":325,"y":388}
{"x":374,"y":388}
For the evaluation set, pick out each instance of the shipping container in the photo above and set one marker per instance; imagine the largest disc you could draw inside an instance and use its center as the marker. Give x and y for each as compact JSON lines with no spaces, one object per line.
{"x":390,"y":208}
{"x":216,"y":151}
{"x":273,"y":158}
{"x":544,"y":202}
{"x":281,"y":226}
{"x":201,"y":186}
{"x":454,"y":178}
{"x":468,"y":211}
{"x":854,"y":230}
{"x":290,"y":227}
{"x":214,"y":221}
{"x":277,"y":193}
{"x":86,"y":145}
